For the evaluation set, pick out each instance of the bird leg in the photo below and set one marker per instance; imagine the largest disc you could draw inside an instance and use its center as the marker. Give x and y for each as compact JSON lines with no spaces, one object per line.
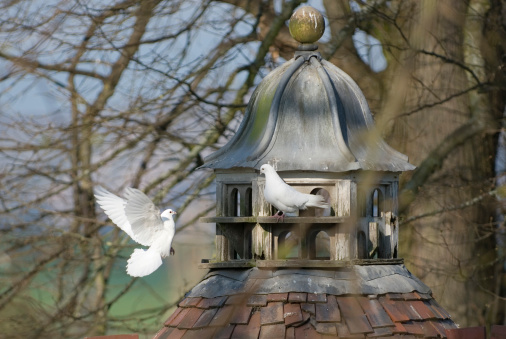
{"x":279,"y":215}
{"x":172,"y":252}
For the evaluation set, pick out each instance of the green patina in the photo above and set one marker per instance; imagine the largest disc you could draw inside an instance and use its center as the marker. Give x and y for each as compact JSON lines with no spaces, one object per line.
{"x":261,"y":112}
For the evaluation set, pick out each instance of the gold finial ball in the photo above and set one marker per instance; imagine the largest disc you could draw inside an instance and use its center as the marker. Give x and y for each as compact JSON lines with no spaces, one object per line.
{"x":306,"y":25}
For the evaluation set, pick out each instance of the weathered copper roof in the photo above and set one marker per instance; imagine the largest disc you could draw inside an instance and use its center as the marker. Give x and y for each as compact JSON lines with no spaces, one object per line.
{"x":257,"y":303}
{"x":308,"y":115}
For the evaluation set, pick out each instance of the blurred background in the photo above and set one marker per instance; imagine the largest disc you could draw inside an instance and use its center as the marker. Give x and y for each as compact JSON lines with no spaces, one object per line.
{"x":136,"y":93}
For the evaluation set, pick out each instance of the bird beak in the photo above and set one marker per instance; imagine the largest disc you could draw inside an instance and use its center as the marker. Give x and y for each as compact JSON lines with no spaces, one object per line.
{"x":174,"y":212}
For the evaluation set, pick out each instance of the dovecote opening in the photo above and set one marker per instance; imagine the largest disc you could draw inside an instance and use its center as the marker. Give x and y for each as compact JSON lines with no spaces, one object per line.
{"x":234,"y":203}
{"x":377,"y":203}
{"x":362,"y":246}
{"x":237,"y":200}
{"x":248,"y":253}
{"x":288,"y":245}
{"x":319,"y":245}
{"x":248,"y":202}
{"x":323,"y":212}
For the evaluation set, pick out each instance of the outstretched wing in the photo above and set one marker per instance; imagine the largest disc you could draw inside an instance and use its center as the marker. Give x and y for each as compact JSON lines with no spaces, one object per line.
{"x":114,"y":207}
{"x":143,"y":216}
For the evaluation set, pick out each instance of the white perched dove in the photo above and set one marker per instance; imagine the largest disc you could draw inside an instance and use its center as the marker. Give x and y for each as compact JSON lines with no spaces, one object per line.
{"x":142,"y":221}
{"x":286,"y":198}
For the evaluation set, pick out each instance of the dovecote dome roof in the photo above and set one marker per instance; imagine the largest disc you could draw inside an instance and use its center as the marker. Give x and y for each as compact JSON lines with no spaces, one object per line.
{"x":308,"y":115}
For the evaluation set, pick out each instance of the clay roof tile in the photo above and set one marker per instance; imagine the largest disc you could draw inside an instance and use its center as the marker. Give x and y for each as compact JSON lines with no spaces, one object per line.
{"x":309,"y":308}
{"x":205,"y":318}
{"x":173,"y":316}
{"x":177,"y":319}
{"x":306,"y":331}
{"x":381,"y":332}
{"x":326,"y":328}
{"x":248,"y":331}
{"x":294,"y":297}
{"x":358,"y":324}
{"x":349,"y":306}
{"x":277,"y":297}
{"x":257,"y":300}
{"x":375,"y":313}
{"x":176,"y":333}
{"x":328,"y":312}
{"x":211,"y":302}
{"x":224,"y":332}
{"x":222,"y":317}
{"x":292,"y":314}
{"x":272,"y":331}
{"x":272,"y":313}
{"x":316,"y":298}
{"x":200,"y":333}
{"x":190,"y":302}
{"x":241,"y":315}
{"x":190,"y":318}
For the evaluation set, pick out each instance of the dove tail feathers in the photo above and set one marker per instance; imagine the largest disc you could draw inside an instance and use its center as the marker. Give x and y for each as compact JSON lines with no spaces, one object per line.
{"x":143,"y":262}
{"x":317,"y":201}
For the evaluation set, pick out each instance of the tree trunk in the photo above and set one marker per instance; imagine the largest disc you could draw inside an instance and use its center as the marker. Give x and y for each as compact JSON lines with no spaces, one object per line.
{"x":442,"y":249}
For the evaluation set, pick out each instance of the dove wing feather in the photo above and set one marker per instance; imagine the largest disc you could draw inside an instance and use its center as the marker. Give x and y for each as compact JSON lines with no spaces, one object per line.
{"x":143,"y":215}
{"x":114,"y":208}
{"x":294,"y":198}
{"x":283,"y":196}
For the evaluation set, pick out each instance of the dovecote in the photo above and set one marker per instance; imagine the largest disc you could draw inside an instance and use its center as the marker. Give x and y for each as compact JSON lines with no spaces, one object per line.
{"x":311,"y":122}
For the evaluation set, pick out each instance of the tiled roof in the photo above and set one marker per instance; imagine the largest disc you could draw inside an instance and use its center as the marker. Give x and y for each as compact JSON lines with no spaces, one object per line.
{"x":307,"y":315}
{"x":286,"y":311}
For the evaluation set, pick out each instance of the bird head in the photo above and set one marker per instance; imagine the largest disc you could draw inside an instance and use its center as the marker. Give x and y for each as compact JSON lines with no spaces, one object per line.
{"x":265,"y":168}
{"x":168,"y":213}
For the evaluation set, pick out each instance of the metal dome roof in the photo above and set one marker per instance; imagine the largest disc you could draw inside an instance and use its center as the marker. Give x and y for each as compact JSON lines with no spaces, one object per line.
{"x":308,"y":115}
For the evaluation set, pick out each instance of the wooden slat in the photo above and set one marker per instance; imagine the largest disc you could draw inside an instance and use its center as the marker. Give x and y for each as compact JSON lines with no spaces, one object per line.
{"x":301,"y":263}
{"x":363,"y":262}
{"x":270,"y":220}
{"x":228,"y":264}
{"x":297,"y":263}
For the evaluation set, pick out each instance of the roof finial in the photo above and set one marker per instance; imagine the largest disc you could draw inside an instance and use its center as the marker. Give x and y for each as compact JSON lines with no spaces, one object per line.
{"x":307,"y":26}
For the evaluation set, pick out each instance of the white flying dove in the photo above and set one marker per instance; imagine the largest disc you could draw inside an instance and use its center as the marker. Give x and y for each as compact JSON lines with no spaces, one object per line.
{"x":286,"y":198}
{"x":142,"y":221}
